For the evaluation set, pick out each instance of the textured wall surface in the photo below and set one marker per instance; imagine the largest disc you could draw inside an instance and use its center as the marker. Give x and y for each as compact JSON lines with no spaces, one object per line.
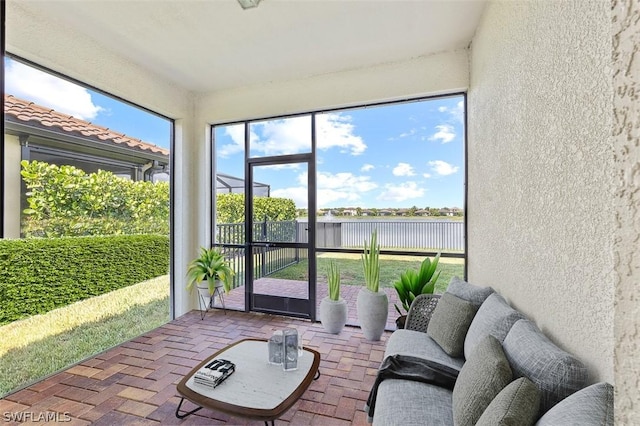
{"x":626,"y":131}
{"x":540,"y":165}
{"x":12,"y":152}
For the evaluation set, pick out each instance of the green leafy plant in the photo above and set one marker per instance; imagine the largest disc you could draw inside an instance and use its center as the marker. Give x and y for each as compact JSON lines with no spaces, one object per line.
{"x":333,"y":278}
{"x":412,"y":282}
{"x":230,"y":208}
{"x":66,"y":201}
{"x":371,"y":262}
{"x":210,"y":266}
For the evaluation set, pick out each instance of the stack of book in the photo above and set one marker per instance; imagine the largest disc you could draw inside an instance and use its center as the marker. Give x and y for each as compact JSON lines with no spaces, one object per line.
{"x":214,"y":373}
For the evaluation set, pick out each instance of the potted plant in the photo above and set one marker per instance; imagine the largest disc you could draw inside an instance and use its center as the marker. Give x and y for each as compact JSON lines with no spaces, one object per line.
{"x":412,"y":283}
{"x":209,"y":271}
{"x":333,"y":308}
{"x":372,"y":304}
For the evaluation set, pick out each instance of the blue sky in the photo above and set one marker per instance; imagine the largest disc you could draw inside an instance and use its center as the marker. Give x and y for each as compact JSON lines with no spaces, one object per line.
{"x":393,"y":156}
{"x":63,"y":96}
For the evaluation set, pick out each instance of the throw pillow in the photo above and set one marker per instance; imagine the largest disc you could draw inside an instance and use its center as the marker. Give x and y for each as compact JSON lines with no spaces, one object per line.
{"x":591,"y":406}
{"x":482,"y":377}
{"x":494,"y":317}
{"x":531,"y":354}
{"x":516,"y":405}
{"x":469,"y":292}
{"x":449,"y":323}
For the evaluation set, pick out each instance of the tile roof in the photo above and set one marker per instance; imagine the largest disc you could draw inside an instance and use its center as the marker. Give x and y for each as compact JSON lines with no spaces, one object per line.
{"x":19,"y":110}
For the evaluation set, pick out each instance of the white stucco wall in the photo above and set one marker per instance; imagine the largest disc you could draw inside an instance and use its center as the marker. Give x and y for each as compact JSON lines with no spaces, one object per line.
{"x":11,"y":182}
{"x":626,"y":131}
{"x":541,"y":169}
{"x":428,"y":75}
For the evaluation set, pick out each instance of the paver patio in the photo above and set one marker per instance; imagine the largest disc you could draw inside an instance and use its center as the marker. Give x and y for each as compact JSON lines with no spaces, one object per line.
{"x":135,"y":382}
{"x":298,"y":289}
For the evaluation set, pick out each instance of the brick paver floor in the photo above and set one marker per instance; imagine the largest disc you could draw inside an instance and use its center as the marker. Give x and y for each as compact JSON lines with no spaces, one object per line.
{"x":135,"y":382}
{"x":299,"y":289}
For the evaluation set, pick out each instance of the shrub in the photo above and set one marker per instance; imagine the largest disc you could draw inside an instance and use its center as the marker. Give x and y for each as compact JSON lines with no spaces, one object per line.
{"x":230,"y":208}
{"x":38,"y":275}
{"x":65,"y":201}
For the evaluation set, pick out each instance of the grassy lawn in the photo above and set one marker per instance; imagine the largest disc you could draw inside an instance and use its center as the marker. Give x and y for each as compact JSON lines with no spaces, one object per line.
{"x":43,"y":344}
{"x":390,"y":269}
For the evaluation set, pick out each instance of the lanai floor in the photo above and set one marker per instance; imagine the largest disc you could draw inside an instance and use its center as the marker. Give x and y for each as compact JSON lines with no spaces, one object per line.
{"x":298,"y":289}
{"x":135,"y":382}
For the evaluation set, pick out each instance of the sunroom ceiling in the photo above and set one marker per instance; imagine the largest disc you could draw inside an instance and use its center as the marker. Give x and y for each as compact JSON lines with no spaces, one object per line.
{"x":214,"y":45}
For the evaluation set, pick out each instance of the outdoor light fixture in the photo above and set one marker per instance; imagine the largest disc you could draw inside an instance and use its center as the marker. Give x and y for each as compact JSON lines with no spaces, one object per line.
{"x":246,"y":4}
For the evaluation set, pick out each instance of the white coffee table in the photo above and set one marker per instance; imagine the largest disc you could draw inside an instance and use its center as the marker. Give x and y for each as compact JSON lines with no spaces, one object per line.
{"x":256,"y":390}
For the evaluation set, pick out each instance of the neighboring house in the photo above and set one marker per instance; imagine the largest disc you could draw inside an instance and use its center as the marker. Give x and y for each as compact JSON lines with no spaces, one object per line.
{"x":34,"y":132}
{"x":47,"y":135}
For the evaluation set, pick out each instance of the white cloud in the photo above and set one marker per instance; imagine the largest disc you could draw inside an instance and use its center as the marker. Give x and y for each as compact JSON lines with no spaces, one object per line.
{"x":367,"y":167}
{"x":339,"y":187}
{"x":409,"y":133}
{"x":236,"y":132}
{"x":426,"y":175}
{"x":345,"y":182}
{"x":403,"y":169}
{"x":284,"y":136}
{"x":336,"y":130}
{"x":45,"y":89}
{"x":456,"y":112}
{"x":293,"y":135}
{"x":298,"y":194}
{"x":402,"y":192}
{"x":443,"y":168}
{"x":445,"y":133}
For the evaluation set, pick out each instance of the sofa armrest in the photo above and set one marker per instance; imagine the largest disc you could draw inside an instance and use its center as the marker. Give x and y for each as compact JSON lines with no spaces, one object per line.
{"x":420,"y":312}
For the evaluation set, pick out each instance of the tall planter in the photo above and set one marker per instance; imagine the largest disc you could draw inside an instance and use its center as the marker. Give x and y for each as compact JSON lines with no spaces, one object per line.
{"x":373,"y":309}
{"x":333,"y":314}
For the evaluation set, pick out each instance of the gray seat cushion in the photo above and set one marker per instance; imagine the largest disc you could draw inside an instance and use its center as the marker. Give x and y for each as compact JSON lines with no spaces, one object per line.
{"x":495,"y":317}
{"x":516,"y":405}
{"x":531,"y":354}
{"x":469,"y":292}
{"x":591,"y":406}
{"x":482,"y":377}
{"x":450,"y":322}
{"x":418,"y":344}
{"x":407,"y":403}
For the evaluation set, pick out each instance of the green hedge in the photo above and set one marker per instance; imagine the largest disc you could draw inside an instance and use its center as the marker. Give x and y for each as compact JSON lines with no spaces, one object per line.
{"x":38,"y":275}
{"x":65,"y":201}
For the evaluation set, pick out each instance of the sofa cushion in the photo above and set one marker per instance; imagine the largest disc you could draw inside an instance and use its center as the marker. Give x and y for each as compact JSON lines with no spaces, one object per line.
{"x":418,"y":344}
{"x":408,"y":403}
{"x":482,"y":377}
{"x":516,"y":405}
{"x":494,"y":317}
{"x":531,"y":354}
{"x":469,"y":292}
{"x":449,"y":323}
{"x":591,"y":406}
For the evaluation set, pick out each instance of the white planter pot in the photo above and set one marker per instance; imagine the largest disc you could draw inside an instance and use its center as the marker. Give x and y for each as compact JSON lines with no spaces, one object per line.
{"x":203,"y":294}
{"x":333,"y":314}
{"x":373,"y":309}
